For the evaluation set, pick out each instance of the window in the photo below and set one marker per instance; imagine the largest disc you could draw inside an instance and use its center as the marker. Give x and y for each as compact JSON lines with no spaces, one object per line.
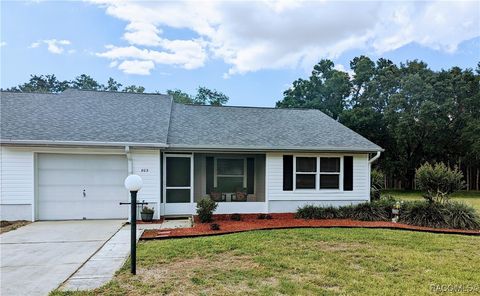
{"x":230,"y":174}
{"x":305,"y":172}
{"x":329,"y":172}
{"x":322,"y":170}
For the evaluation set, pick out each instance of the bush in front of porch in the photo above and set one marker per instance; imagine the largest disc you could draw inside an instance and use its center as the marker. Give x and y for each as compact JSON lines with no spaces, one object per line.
{"x":205,"y":208}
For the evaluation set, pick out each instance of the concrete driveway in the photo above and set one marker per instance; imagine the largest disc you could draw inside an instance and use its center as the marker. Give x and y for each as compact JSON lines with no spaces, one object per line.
{"x":37,"y":258}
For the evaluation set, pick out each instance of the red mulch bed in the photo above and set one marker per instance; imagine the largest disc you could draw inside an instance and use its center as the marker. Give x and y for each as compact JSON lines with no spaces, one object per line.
{"x":282,"y":221}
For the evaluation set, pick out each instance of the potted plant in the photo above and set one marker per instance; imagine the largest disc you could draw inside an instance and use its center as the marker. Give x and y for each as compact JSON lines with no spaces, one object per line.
{"x":147,"y":214}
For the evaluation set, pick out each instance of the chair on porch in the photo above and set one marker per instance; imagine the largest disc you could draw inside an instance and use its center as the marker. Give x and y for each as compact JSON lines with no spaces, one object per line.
{"x":217,"y":195}
{"x":240,"y":195}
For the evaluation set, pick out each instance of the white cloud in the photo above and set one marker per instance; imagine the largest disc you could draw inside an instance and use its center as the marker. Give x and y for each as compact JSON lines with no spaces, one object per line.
{"x":136,"y":67}
{"x":3,"y":43}
{"x":53,"y":45}
{"x":185,"y":53}
{"x":251,"y":36}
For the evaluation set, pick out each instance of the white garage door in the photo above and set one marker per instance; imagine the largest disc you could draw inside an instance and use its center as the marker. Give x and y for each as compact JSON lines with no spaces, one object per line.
{"x":78,"y":186}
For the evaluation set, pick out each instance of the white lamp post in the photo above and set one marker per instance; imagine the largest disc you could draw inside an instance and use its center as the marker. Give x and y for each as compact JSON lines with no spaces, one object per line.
{"x":133,"y":183}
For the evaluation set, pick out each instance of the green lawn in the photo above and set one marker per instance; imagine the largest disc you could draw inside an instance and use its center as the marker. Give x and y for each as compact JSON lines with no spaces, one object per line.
{"x":469,"y":197}
{"x":301,"y":262}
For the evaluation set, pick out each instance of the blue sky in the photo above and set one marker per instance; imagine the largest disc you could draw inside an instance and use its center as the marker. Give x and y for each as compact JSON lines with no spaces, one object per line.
{"x":251,"y":51}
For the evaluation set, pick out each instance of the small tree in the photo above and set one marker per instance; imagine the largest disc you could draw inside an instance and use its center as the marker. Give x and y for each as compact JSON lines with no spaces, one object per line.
{"x":438,"y":181}
{"x":376,"y":180}
{"x":205,"y":208}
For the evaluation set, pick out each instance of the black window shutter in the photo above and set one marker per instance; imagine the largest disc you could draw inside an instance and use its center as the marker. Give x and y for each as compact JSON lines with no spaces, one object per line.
{"x":348,"y":173}
{"x":250,"y":175}
{"x":209,"y":174}
{"x":288,"y":172}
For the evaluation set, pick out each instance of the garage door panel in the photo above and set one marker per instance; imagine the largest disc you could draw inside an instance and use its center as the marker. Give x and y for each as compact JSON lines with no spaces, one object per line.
{"x":62,"y":178}
{"x":66,"y":210}
{"x":81,"y":178}
{"x":60,"y":193}
{"x":80,"y":161}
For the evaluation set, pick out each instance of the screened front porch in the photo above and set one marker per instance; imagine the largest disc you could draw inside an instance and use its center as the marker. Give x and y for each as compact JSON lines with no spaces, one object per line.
{"x":235,"y":181}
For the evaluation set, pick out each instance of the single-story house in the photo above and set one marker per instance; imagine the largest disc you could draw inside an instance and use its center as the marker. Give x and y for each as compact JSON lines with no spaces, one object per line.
{"x":66,"y":155}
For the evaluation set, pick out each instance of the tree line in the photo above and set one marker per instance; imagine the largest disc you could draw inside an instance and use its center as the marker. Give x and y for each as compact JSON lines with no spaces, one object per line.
{"x":416,"y":114}
{"x":51,"y":84}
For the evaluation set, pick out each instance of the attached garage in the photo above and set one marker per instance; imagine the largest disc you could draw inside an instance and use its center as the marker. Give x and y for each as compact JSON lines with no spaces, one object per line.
{"x":80,"y":186}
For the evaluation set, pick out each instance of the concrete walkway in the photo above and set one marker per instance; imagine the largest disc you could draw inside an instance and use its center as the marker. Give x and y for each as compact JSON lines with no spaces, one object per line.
{"x":101,"y":267}
{"x":37,"y":258}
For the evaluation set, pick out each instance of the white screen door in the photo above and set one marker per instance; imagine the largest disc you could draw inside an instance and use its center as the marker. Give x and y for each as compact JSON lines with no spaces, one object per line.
{"x":178,"y":179}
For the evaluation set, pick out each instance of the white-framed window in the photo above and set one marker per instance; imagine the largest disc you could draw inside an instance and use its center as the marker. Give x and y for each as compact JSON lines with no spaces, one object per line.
{"x":305,"y":172}
{"x":317,"y":172}
{"x":329,"y":176}
{"x":230,"y":174}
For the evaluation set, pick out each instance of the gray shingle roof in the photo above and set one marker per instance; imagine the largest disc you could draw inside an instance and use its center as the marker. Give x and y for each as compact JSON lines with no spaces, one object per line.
{"x":153,"y":120}
{"x":261,"y":128}
{"x":85,"y":116}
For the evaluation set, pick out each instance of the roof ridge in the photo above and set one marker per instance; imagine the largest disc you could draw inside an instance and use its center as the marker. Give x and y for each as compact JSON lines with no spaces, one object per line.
{"x":83,"y":90}
{"x":249,"y":107}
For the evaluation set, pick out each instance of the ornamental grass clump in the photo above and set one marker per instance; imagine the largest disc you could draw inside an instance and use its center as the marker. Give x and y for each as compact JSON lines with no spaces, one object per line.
{"x":450,"y":214}
{"x":317,"y":212}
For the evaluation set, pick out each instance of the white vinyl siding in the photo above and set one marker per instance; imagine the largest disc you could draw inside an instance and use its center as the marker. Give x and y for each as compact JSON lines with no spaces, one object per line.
{"x":16,"y":176}
{"x":146,"y":164}
{"x":361,"y":188}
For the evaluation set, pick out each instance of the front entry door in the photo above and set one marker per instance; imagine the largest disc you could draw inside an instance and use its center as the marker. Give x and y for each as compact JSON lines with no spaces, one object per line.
{"x":178,"y":179}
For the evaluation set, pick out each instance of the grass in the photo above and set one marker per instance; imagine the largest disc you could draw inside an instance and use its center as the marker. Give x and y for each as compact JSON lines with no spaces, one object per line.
{"x":300,"y":262}
{"x":469,"y":197}
{"x":6,"y":226}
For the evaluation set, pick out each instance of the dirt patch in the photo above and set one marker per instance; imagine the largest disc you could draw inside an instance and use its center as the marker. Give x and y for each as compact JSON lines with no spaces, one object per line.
{"x":6,"y":226}
{"x":281,"y":221}
{"x":204,"y":276}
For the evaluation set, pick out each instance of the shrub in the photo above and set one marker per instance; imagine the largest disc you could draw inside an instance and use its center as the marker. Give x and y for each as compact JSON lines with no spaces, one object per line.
{"x":461,"y":216}
{"x":380,"y":210}
{"x":235,"y":217}
{"x":214,"y":226}
{"x":423,"y":213}
{"x":264,"y":216}
{"x":205,"y":208}
{"x":346,"y":212}
{"x":438,"y":181}
{"x":439,"y":215}
{"x":377,"y":182}
{"x":261,"y":216}
{"x":317,"y":212}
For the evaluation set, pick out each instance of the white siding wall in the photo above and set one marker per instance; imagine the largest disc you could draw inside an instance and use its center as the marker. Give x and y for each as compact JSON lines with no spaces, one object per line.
{"x":16,"y":183}
{"x":288,"y":201}
{"x":146,"y":164}
{"x":17,"y":176}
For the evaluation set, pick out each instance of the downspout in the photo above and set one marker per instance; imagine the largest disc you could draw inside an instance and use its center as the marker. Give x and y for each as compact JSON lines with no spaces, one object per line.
{"x":370,"y":161}
{"x":375,"y":157}
{"x":130,"y":171}
{"x":129,"y":160}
